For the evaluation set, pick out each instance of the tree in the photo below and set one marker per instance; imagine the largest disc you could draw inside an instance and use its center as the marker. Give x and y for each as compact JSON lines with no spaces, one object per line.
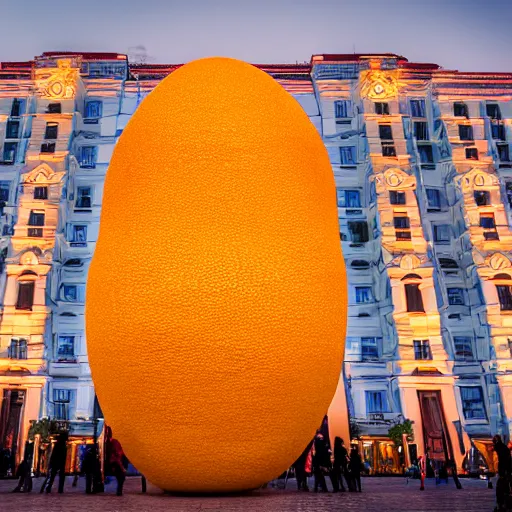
{"x":396,"y":432}
{"x":46,"y":428}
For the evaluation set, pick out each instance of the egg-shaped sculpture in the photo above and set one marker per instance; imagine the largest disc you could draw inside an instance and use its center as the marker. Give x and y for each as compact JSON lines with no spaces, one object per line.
{"x":216,"y":297}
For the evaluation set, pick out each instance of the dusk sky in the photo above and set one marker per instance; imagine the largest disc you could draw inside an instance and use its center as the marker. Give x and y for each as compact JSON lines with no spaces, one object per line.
{"x":469,"y":35}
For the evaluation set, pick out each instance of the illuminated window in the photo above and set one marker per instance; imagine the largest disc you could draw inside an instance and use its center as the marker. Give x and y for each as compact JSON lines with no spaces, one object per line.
{"x":463,"y":348}
{"x":422,"y":350}
{"x":382,"y":109}
{"x":396,"y":197}
{"x":473,"y":402}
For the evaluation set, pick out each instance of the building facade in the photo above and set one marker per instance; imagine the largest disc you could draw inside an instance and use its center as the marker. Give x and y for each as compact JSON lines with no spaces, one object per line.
{"x":421,"y":160}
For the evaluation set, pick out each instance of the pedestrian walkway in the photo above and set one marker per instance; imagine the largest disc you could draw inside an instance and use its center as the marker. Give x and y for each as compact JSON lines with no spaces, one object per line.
{"x":379,"y":494}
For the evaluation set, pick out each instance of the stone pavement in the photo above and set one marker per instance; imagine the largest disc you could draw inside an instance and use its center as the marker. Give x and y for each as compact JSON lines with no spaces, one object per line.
{"x":381,"y":494}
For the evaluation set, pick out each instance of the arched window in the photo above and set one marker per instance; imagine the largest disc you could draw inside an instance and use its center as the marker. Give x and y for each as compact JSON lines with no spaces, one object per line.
{"x":26,"y":287}
{"x":413,"y":297}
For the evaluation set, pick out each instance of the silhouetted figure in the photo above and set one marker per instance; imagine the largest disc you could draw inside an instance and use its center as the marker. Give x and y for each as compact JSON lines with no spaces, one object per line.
{"x":355,"y":466}
{"x":115,"y":460}
{"x":321,"y":463}
{"x":25,"y":477}
{"x":91,"y":467}
{"x":341,"y":460}
{"x":300,"y":468}
{"x":504,"y":472}
{"x":58,"y":462}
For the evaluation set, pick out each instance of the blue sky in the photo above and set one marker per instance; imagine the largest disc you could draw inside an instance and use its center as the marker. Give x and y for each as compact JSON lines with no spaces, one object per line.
{"x":469,"y":35}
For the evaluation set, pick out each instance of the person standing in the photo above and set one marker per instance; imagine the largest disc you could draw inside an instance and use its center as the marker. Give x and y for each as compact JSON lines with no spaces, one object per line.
{"x":504,"y":471}
{"x":355,"y":468}
{"x":321,"y":463}
{"x":300,"y":468}
{"x":115,"y":460}
{"x":341,"y":460}
{"x":58,"y":462}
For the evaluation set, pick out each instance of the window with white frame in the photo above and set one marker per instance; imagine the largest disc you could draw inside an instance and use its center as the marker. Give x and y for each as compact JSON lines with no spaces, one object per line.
{"x":364,"y":294}
{"x":73,"y":292}
{"x":376,"y":402}
{"x":370,"y":348}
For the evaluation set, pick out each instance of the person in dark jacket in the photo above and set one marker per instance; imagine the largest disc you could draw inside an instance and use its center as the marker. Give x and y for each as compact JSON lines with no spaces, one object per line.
{"x":341,"y":460}
{"x":300,"y":468}
{"x":115,"y":460}
{"x":58,"y":462}
{"x":321,"y":463}
{"x":504,"y":471}
{"x":355,"y":467}
{"x":91,"y":467}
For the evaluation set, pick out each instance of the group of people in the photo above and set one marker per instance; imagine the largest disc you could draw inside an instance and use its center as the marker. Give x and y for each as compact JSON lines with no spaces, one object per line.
{"x":318,"y":459}
{"x":90,"y":467}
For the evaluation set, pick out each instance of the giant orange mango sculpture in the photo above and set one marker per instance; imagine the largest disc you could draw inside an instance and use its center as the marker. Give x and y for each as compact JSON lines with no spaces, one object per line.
{"x":216,"y":298}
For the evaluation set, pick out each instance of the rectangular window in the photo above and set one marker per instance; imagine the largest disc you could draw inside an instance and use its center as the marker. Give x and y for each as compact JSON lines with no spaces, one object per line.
{"x":5,"y":187}
{"x":83,"y":197}
{"x":456,"y":296}
{"x":482,"y":197}
{"x":433,"y":198}
{"x":349,"y":198}
{"x":52,"y":131}
{"x":473,"y":402}
{"x":61,"y":404}
{"x":343,"y":108}
{"x":503,"y":152}
{"x":54,"y":108}
{"x":463,"y":348}
{"x":402,"y":226}
{"x":18,"y":107}
{"x":388,"y":150}
{"x":488,"y":223}
{"x":73,"y":292}
{"x":17,"y":349}
{"x":442,"y":233}
{"x":88,"y":156}
{"x":418,"y":108}
{"x":358,"y":231}
{"x":498,"y":131}
{"x":36,"y":218}
{"x":376,"y":402}
{"x":385,"y":132}
{"x":422,"y":349}
{"x":396,"y":197}
{"x":382,"y":109}
{"x":493,"y":111}
{"x":465,"y":132}
{"x":460,"y":110}
{"x":78,"y":236}
{"x":426,"y":153}
{"x":348,"y":155}
{"x":25,"y":295}
{"x":66,"y":347}
{"x":370,"y":349}
{"x":414,"y":298}
{"x":364,"y":294}
{"x":13,"y":129}
{"x":505,"y":297}
{"x":10,"y":150}
{"x":48,"y":147}
{"x":471,"y":153}
{"x":93,"y":111}
{"x":40,"y":192}
{"x":421,"y":130}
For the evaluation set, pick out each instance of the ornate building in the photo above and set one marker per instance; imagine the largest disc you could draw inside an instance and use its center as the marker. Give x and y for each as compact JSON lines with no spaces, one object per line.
{"x":421,"y":159}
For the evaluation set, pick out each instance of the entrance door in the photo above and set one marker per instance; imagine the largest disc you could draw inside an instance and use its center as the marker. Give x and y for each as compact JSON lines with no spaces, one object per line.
{"x":10,"y":420}
{"x":435,"y":434}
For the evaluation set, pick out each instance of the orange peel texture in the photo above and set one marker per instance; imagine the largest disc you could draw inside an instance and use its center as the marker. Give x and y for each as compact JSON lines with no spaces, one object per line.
{"x":216,"y":297}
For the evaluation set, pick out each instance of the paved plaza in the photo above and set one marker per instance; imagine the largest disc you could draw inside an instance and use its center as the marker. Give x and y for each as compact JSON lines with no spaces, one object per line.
{"x":379,"y":494}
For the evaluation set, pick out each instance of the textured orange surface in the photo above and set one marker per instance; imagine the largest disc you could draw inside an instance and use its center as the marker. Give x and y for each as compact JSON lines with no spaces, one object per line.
{"x":216,"y":298}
